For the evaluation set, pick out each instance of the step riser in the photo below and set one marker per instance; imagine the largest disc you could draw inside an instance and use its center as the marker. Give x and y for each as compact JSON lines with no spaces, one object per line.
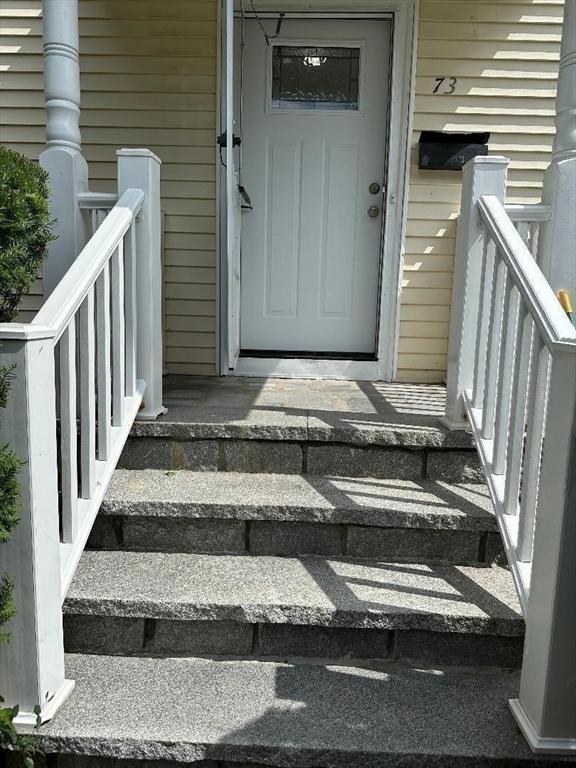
{"x":285,"y":457}
{"x":289,"y":539}
{"x":128,"y":636}
{"x":84,"y":761}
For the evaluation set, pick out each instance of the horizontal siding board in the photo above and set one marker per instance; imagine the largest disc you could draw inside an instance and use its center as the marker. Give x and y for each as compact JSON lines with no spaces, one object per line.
{"x":428,"y":263}
{"x":419,"y":361}
{"x":190,"y":324}
{"x":189,"y":29}
{"x":424,"y":329}
{"x":187,"y":339}
{"x":500,"y":13}
{"x":190,"y":308}
{"x":153,"y":82}
{"x":422,"y":346}
{"x":490,"y":69}
{"x":424,"y":313}
{"x":512,"y":31}
{"x":415,"y":279}
{"x":149,"y":9}
{"x":186,"y":258}
{"x":198,"y":275}
{"x":197,"y":69}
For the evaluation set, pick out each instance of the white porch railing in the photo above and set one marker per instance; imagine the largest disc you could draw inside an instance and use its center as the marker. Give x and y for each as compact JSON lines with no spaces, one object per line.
{"x":84,"y":368}
{"x":512,"y":378}
{"x":528,"y":219}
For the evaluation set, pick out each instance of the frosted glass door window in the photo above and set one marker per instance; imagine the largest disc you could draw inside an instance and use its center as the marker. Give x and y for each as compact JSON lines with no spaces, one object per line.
{"x":315,"y":78}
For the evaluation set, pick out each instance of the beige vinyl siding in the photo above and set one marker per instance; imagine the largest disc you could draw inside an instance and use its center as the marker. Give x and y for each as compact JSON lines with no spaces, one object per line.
{"x":148,"y":79}
{"x":505,"y":58}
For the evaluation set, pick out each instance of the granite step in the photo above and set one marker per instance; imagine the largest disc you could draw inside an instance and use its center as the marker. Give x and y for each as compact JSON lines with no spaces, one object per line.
{"x":132,"y":603}
{"x":274,"y":514}
{"x":400,"y":446}
{"x":220,"y":714}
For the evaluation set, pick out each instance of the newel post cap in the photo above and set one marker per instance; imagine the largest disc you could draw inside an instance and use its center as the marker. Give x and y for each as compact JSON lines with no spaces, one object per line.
{"x":136,"y":152}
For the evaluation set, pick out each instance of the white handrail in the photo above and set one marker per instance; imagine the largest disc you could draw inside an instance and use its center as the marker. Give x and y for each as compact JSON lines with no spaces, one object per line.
{"x":66,"y":298}
{"x":528,"y":212}
{"x":512,"y":380}
{"x":99,"y":200}
{"x":84,"y":369}
{"x":543,"y":305}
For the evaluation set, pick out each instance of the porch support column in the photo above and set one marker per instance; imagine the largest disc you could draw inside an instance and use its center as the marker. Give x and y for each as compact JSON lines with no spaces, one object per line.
{"x":557,"y":247}
{"x":63,"y":158}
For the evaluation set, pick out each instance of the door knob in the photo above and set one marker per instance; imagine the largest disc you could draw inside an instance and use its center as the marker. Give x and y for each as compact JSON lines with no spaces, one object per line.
{"x":374,"y":188}
{"x":373,"y":211}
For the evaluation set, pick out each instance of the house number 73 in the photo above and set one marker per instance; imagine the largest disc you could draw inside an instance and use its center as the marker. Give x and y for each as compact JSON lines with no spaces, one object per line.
{"x":445,"y":85}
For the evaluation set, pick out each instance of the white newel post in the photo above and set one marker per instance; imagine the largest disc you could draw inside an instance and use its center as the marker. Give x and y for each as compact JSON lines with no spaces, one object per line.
{"x":140,"y":169}
{"x":546,"y":707}
{"x":557,"y":245}
{"x":63,"y":158}
{"x":480,"y":176}
{"x":32,"y":663}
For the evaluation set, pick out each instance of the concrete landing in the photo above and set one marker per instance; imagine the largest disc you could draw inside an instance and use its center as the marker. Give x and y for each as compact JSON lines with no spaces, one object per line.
{"x":287,"y":409}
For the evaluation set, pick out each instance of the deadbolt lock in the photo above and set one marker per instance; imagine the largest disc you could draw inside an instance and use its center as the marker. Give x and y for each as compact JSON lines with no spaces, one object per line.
{"x":374,"y":188}
{"x":373,"y":211}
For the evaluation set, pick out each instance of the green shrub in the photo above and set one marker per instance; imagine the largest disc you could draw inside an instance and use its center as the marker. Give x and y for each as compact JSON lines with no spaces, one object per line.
{"x":25,"y":231}
{"x":25,"y":228}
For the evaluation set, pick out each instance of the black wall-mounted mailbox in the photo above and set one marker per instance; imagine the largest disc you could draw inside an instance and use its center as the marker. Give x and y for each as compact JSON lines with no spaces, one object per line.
{"x":439,"y":151}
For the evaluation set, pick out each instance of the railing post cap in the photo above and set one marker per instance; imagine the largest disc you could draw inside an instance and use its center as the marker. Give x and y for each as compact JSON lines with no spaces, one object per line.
{"x":494,"y":160}
{"x":134,"y":152}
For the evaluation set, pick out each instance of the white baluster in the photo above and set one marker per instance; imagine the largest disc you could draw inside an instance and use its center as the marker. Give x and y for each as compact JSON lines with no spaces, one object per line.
{"x":130,"y":309}
{"x":68,"y":433}
{"x":87,"y":396}
{"x":486,"y":290}
{"x":491,"y":391}
{"x":520,"y":386}
{"x":509,"y":329}
{"x":537,"y":402}
{"x":103,"y":364}
{"x":118,"y":337}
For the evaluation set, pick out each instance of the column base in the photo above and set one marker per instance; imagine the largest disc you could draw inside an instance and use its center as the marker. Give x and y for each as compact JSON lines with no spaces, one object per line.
{"x":540,"y":744}
{"x":25,"y":722}
{"x":146,"y":415}
{"x":452,"y":425}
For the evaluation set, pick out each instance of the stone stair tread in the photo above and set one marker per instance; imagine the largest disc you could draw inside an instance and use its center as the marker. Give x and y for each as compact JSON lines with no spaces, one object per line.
{"x":310,"y":498}
{"x":389,"y":428}
{"x":304,"y":591}
{"x":187,"y":710}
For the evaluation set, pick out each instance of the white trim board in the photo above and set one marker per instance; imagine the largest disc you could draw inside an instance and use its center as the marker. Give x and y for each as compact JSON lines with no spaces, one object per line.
{"x":307,"y":368}
{"x":404,"y":39}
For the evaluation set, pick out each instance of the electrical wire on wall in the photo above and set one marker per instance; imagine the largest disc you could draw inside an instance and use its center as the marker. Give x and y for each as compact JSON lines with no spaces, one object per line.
{"x":223,"y":139}
{"x":261,"y":25}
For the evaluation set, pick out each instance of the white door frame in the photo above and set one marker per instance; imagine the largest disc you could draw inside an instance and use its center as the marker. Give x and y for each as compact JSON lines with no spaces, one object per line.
{"x":404,"y":36}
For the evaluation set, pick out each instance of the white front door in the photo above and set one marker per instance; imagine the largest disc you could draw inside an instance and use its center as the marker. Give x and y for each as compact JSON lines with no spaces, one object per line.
{"x":314,"y":139}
